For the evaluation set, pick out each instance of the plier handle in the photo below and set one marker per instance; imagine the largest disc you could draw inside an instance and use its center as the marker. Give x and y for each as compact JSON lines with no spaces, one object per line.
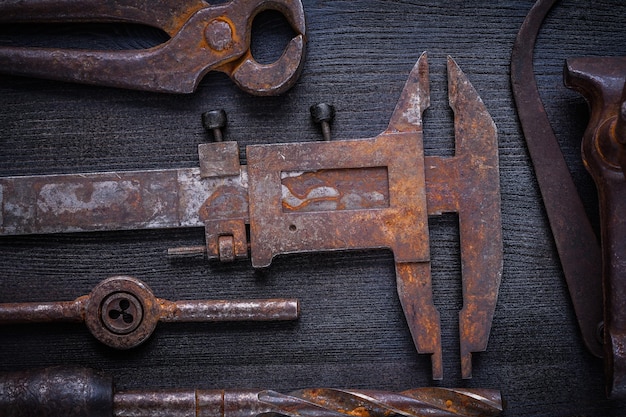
{"x":203,"y":38}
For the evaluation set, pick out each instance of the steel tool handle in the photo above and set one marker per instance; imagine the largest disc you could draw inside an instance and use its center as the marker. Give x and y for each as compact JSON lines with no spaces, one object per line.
{"x":17,"y":313}
{"x":163,"y":14}
{"x":227,"y":310}
{"x":159,"y":69}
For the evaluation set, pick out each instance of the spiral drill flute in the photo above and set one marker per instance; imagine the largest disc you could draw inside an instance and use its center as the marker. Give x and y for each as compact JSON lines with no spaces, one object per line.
{"x":77,"y":392}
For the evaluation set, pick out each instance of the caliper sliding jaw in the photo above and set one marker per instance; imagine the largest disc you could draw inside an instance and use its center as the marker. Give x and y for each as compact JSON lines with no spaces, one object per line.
{"x":316,"y":196}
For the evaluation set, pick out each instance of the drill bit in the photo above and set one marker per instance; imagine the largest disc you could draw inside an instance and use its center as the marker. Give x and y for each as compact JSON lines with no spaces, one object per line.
{"x":74,"y":392}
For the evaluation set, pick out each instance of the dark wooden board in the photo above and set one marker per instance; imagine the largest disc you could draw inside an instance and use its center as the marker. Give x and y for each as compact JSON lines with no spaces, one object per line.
{"x":352,"y":332}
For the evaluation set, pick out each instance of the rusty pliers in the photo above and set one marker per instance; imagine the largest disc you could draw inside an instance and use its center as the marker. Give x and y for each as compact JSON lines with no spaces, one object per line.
{"x":203,"y":38}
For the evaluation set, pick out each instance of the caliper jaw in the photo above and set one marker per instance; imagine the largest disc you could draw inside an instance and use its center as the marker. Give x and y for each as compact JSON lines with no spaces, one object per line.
{"x":477,"y":192}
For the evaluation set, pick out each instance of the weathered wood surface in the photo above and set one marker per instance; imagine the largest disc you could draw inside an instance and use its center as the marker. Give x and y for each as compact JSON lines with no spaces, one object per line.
{"x":352,"y":332}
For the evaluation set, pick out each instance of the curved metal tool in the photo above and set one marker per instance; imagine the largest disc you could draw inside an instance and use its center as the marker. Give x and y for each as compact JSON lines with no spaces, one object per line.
{"x":203,"y":38}
{"x":122,"y":311}
{"x":81,"y":392}
{"x":575,"y":239}
{"x":315,"y":196}
{"x":601,"y":80}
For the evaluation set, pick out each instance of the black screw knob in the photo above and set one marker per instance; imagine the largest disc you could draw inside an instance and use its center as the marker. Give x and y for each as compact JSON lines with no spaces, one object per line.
{"x":215,"y":121}
{"x":323,"y":113}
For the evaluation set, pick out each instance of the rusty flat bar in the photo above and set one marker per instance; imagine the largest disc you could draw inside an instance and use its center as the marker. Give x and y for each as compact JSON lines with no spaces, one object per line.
{"x":153,"y":199}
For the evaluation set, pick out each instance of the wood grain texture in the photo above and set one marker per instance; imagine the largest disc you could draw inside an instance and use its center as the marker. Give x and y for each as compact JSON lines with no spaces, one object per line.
{"x":352,"y":332}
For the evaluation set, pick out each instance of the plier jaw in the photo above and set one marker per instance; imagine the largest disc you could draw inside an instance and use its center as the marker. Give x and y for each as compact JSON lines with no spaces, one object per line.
{"x":203,"y":38}
{"x":269,"y":79}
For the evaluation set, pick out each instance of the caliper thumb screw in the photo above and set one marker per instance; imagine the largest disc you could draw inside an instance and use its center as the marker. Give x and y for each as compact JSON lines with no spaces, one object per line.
{"x":215,"y":121}
{"x":323,"y":113}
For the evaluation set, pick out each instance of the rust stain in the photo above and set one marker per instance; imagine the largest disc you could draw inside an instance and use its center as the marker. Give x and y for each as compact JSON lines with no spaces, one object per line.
{"x":227,"y":201}
{"x":331,"y":190}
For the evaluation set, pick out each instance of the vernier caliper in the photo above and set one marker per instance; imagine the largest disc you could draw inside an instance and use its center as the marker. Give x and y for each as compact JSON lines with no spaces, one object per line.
{"x":314,"y":196}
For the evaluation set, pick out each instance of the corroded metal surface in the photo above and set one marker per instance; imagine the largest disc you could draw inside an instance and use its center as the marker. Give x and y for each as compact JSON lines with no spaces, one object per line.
{"x":575,"y":239}
{"x":91,"y":394}
{"x":469,"y":184}
{"x":116,"y":201}
{"x":122,"y":311}
{"x":601,"y":80}
{"x":319,"y":196}
{"x":203,"y":38}
{"x":402,"y":226}
{"x":335,"y":189}
{"x":56,"y":391}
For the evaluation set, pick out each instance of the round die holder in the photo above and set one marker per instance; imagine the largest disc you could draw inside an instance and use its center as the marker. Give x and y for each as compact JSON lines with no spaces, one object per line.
{"x":121,"y":312}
